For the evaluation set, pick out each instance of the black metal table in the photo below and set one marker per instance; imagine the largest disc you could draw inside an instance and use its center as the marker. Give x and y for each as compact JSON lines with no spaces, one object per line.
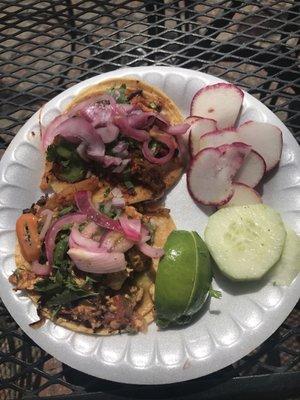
{"x":47,"y":46}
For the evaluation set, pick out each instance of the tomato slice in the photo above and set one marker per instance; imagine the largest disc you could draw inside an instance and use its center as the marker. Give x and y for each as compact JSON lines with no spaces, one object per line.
{"x":28,"y":236}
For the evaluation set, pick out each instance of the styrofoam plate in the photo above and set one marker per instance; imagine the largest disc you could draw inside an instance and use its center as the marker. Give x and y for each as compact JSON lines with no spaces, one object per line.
{"x":227,"y":330}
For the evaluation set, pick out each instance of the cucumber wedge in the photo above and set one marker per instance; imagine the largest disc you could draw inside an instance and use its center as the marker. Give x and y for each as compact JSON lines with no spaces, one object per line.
{"x":287,"y":268}
{"x":245,"y":241}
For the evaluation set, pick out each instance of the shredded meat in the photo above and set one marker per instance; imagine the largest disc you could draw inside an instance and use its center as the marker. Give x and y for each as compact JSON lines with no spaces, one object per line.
{"x":140,"y":101}
{"x":113,"y":313}
{"x":152,"y":209}
{"x":87,"y":313}
{"x":23,"y":279}
{"x":132,"y":213}
{"x":115,"y":280}
{"x":147,"y":174}
{"x":120,"y":312}
{"x":137,"y":260}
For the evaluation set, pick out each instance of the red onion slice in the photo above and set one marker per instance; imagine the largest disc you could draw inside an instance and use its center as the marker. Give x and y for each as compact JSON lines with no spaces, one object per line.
{"x":81,"y":241}
{"x":81,"y":150}
{"x":118,"y":202}
{"x":75,"y":128}
{"x":108,"y":161}
{"x":120,"y":147}
{"x":109,"y":133}
{"x":41,"y":269}
{"x":84,"y":204}
{"x":131,"y":227}
{"x":141,"y":120}
{"x":116,"y":192}
{"x":150,"y":251}
{"x":169,"y":141}
{"x":145,"y":236}
{"x":58,"y":226}
{"x":116,"y":242}
{"x":49,"y":133}
{"x":89,"y":230}
{"x":179,"y":129}
{"x":48,"y":214}
{"x":122,"y":166}
{"x":97,"y":263}
{"x":127,"y":130}
{"x":97,"y":110}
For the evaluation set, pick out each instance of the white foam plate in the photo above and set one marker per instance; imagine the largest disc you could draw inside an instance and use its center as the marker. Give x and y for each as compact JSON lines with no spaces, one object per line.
{"x":227,"y":330}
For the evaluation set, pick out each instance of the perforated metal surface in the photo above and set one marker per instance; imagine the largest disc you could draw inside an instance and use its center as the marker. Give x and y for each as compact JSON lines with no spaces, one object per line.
{"x":47,"y":46}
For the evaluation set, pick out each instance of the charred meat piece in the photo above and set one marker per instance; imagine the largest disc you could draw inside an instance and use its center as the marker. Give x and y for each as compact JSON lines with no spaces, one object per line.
{"x":137,"y":260}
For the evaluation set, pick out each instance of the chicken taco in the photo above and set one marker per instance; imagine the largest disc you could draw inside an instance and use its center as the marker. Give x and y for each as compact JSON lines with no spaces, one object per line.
{"x":123,"y":131}
{"x":90,"y":267}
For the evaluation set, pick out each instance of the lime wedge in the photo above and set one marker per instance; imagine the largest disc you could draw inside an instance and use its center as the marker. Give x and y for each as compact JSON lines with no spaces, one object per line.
{"x":183,"y":279}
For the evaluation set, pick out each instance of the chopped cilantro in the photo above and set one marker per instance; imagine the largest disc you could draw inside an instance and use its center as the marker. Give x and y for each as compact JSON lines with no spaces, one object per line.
{"x":60,"y":258}
{"x":129,"y":184}
{"x":68,"y":296}
{"x":215,"y":293}
{"x":51,"y":153}
{"x":66,"y":210}
{"x":106,"y":192}
{"x":154,"y":147}
{"x":153,"y":105}
{"x":69,"y":166}
{"x":119,"y":93}
{"x":110,"y":212}
{"x":133,"y":144}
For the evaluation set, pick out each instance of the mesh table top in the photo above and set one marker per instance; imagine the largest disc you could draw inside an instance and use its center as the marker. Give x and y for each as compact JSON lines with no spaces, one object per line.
{"x":48,"y":46}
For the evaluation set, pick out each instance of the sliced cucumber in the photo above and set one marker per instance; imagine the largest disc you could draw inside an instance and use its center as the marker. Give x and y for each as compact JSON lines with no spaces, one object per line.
{"x":245,"y":241}
{"x":287,"y":268}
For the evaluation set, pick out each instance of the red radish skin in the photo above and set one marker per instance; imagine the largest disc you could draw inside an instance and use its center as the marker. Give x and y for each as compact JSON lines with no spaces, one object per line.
{"x":210,"y":174}
{"x":264,"y":138}
{"x":198,"y":129}
{"x":192,"y":119}
{"x":252,"y":171}
{"x":243,"y":195}
{"x":221,"y":102}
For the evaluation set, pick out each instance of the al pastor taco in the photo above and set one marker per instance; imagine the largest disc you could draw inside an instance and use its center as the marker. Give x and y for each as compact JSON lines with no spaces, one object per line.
{"x":90,"y":267}
{"x":123,"y":131}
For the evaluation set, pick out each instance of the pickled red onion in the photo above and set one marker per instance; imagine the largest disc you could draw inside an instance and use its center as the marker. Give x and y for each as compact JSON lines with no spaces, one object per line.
{"x":97,"y":263}
{"x":131,"y":227}
{"x":85,"y":206}
{"x":169,"y":141}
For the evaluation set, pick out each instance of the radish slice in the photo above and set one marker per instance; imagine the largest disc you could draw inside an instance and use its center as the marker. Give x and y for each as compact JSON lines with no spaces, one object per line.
{"x":252,"y":171}
{"x":198,"y":129}
{"x":221,"y":102}
{"x":265,"y":138}
{"x":218,"y":138}
{"x":209,"y":177}
{"x":243,"y":195}
{"x":254,"y":166}
{"x":192,"y":119}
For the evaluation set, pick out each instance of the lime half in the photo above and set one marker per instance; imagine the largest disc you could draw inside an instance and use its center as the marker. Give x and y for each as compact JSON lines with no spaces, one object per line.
{"x":183,"y":278}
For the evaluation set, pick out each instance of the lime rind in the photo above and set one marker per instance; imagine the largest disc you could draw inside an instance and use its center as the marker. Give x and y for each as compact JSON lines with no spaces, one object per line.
{"x":183,"y":279}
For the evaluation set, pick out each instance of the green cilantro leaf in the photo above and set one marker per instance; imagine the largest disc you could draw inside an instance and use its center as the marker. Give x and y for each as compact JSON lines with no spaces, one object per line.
{"x":215,"y":293}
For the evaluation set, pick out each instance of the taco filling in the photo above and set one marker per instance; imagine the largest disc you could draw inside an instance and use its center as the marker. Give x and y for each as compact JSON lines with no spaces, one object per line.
{"x":89,"y":266}
{"x":126,"y":134}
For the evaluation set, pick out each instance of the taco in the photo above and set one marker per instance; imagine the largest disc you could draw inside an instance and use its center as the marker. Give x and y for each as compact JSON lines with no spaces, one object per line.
{"x":90,"y":267}
{"x":123,"y":131}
